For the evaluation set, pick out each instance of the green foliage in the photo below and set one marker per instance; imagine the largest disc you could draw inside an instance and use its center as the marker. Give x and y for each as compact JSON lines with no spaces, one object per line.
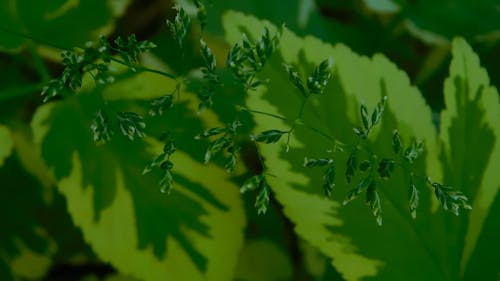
{"x":246,"y":59}
{"x":179,"y":27}
{"x":107,"y":193}
{"x":94,"y":60}
{"x":207,"y":92}
{"x":133,"y":164}
{"x":259,"y":184}
{"x":71,"y":20}
{"x":337,"y":231}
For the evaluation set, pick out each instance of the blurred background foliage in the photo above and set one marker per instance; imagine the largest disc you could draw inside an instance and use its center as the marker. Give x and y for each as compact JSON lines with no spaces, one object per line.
{"x":39,"y":240}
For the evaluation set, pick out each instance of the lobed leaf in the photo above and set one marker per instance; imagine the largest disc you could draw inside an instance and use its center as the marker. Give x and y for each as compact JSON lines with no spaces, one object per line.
{"x":340,"y":232}
{"x":470,"y":136}
{"x":122,"y":213}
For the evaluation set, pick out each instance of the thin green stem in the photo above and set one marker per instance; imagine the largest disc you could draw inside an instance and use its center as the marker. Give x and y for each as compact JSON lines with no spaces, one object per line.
{"x":314,"y":129}
{"x":263,"y":113}
{"x":145,"y":69}
{"x":302,"y":107}
{"x":301,"y":111}
{"x":323,"y":134}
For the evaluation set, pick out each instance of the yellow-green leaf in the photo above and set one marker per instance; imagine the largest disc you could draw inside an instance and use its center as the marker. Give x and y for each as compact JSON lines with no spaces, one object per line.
{"x":25,"y":248}
{"x":5,"y":144}
{"x":349,"y":235}
{"x":194,"y":233}
{"x":263,"y":260}
{"x":470,"y":133}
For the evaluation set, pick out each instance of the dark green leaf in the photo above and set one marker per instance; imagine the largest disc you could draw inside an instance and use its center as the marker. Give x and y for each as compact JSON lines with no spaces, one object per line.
{"x":397,"y":144}
{"x":262,"y":200}
{"x":365,"y":165}
{"x":179,"y":27}
{"x":413,"y":198}
{"x":215,"y":147}
{"x":364,"y":116}
{"x":318,"y":162}
{"x":270,"y":136}
{"x":131,"y":124}
{"x":373,"y":200}
{"x":329,"y":180}
{"x":161,"y":104}
{"x":351,"y":165}
{"x":251,"y":183}
{"x":385,"y":168}
{"x":296,"y":80}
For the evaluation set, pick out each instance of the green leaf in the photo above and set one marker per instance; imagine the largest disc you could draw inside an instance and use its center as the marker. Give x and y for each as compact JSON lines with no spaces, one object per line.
{"x":296,"y":80}
{"x":397,"y":143}
{"x":269,"y":136}
{"x":351,"y":166}
{"x":251,"y":183}
{"x":184,"y":235}
{"x":311,"y":162}
{"x":263,"y":260}
{"x":100,"y":128}
{"x":262,"y":200}
{"x":471,"y":156}
{"x":373,"y":200}
{"x":385,"y":168}
{"x":179,"y":27}
{"x":76,"y":22}
{"x":340,"y":232}
{"x":25,"y":246}
{"x":445,"y":19}
{"x":329,"y":180}
{"x":6,"y":144}
{"x":413,"y":198}
{"x":413,"y":151}
{"x":364,"y":116}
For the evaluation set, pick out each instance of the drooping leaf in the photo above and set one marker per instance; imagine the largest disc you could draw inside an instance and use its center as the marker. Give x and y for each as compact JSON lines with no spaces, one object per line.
{"x":181,"y":236}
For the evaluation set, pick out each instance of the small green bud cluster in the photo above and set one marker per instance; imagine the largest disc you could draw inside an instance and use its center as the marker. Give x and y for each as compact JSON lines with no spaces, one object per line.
{"x":225,"y":142}
{"x":163,"y":162}
{"x":316,"y":82}
{"x":376,"y":169}
{"x":130,"y":124}
{"x":369,"y":123}
{"x":100,"y":128}
{"x":94,"y":59}
{"x":164,"y":103}
{"x":246,"y":59}
{"x":269,"y":136}
{"x":206,"y":93}
{"x":129,"y":49}
{"x":328,"y":174}
{"x":201,"y":13}
{"x":449,"y":198}
{"x":258,"y":183}
{"x":179,"y":27}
